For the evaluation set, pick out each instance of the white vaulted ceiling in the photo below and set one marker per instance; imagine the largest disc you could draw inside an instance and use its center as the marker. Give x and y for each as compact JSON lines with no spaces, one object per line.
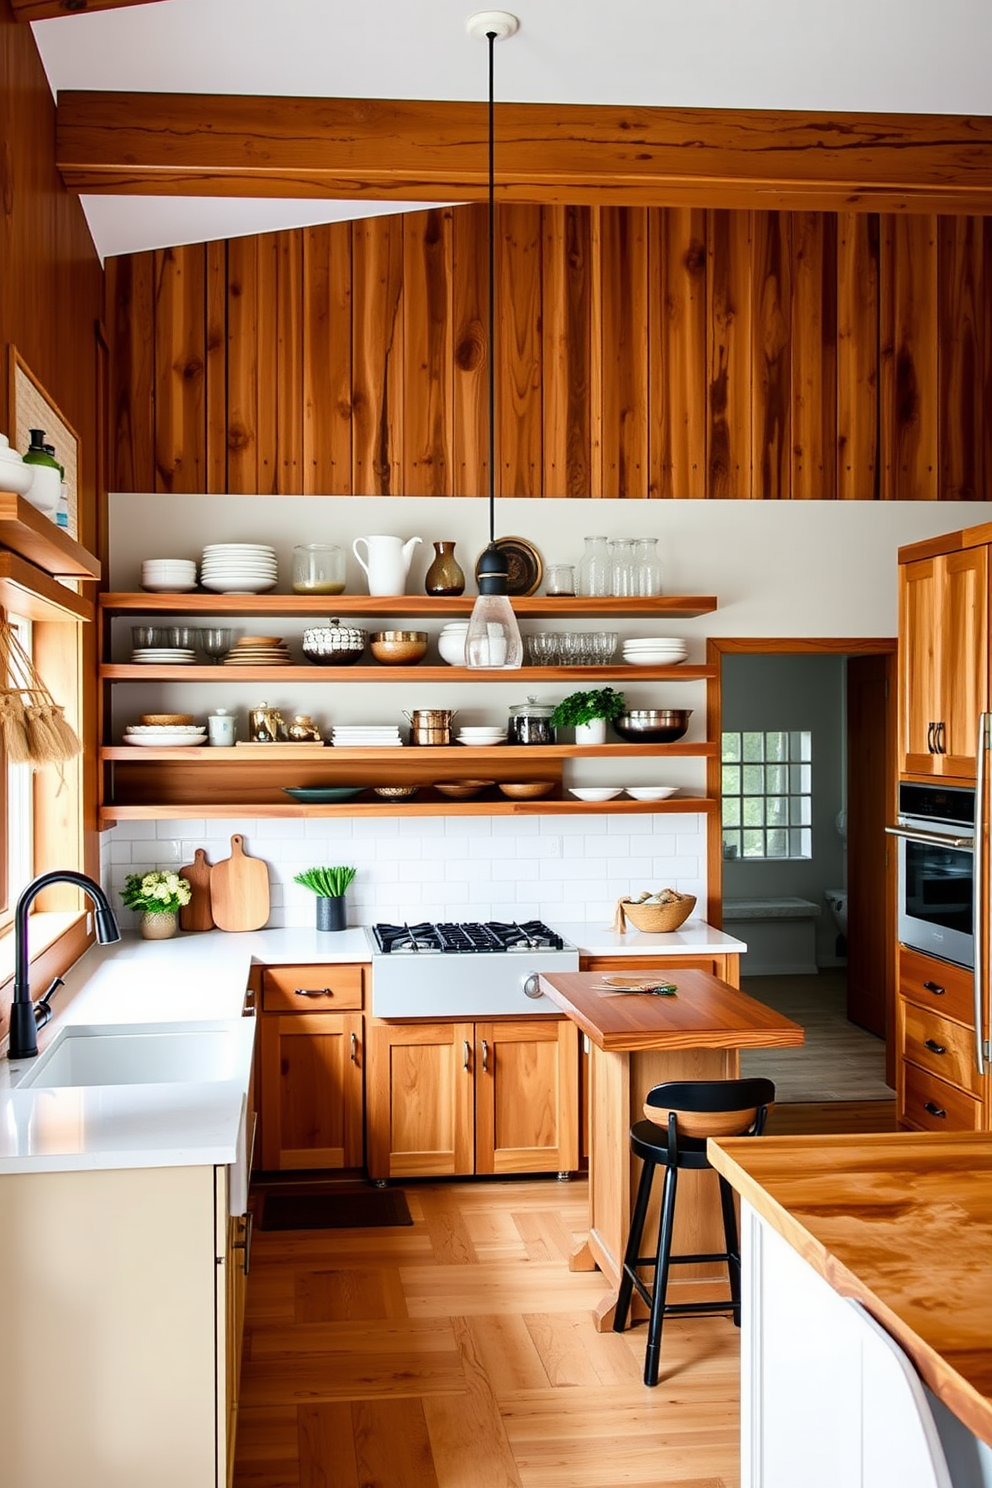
{"x":866,"y":56}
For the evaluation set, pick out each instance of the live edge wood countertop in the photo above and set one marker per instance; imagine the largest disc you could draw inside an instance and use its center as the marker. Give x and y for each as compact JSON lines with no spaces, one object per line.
{"x":902,"y":1223}
{"x":705,"y":1013}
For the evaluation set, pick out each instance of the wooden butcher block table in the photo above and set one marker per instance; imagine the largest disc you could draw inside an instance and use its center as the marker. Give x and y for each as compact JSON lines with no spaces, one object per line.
{"x":638,"y":1040}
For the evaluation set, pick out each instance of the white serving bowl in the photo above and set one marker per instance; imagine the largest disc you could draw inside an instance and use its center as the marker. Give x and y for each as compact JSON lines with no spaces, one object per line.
{"x":14,"y":474}
{"x":651,"y":792}
{"x":244,"y":585}
{"x":451,"y":648}
{"x":646,"y":658}
{"x":595,"y":792}
{"x":45,"y":488}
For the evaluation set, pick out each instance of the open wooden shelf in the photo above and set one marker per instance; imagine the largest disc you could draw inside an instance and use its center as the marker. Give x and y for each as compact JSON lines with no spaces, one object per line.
{"x":423,"y":756}
{"x":426,"y":804}
{"x":422,"y":606}
{"x":29,"y":591}
{"x":125,"y":671}
{"x":27,"y":531}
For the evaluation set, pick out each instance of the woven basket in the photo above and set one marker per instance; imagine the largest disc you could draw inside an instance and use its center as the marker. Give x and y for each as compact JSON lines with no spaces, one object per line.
{"x":657,"y":918}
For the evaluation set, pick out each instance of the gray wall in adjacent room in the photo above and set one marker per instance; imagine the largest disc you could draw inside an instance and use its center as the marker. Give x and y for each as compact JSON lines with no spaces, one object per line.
{"x":795,"y":692}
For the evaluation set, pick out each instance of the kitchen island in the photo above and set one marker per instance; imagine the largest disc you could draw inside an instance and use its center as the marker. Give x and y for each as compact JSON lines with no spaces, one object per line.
{"x":638,"y":1041}
{"x":900,"y":1224}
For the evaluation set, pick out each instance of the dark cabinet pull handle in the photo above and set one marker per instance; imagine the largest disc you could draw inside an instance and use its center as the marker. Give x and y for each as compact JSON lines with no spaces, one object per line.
{"x":941,"y":746}
{"x":313,"y":992}
{"x":934,"y":1047}
{"x":485,"y":1057}
{"x":468,"y":1053}
{"x":354,"y":1048}
{"x":930,"y":743}
{"x":933,"y":1108}
{"x":935,"y":988}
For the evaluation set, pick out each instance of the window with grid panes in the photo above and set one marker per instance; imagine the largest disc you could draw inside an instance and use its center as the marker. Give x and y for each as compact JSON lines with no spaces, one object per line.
{"x":766,"y":785}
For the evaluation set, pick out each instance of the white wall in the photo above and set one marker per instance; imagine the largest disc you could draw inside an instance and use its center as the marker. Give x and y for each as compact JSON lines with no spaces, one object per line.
{"x":776,"y":568}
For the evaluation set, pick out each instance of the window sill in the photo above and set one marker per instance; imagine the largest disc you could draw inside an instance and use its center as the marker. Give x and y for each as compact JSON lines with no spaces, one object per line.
{"x":58,"y":936}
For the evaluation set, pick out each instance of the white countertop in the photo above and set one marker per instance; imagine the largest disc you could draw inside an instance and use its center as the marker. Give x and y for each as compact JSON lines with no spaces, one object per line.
{"x":197,"y":981}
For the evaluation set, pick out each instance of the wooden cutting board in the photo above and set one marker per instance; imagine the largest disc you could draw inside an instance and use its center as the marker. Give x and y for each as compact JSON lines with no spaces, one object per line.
{"x":239,"y":890}
{"x":197,"y":914}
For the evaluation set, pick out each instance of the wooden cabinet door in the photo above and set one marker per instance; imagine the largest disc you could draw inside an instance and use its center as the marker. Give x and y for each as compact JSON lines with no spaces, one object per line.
{"x":943,"y":645}
{"x":918,"y":664}
{"x":963,"y":676}
{"x":420,"y":1099}
{"x":526,"y":1096}
{"x":311,"y":1090}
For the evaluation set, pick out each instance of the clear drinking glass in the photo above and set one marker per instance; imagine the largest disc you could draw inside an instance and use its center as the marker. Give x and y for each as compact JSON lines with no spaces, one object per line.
{"x":594,"y":568}
{"x":216,"y":642}
{"x":621,"y":551}
{"x":647,"y":566}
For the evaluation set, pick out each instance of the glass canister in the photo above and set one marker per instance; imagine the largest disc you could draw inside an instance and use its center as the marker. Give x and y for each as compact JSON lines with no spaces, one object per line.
{"x":647,"y":566}
{"x":594,"y":567}
{"x":530,"y":723}
{"x":621,"y":567}
{"x":318,"y":568}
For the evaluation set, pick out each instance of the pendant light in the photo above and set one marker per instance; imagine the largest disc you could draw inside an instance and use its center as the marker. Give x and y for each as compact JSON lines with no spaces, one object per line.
{"x":493,"y":637}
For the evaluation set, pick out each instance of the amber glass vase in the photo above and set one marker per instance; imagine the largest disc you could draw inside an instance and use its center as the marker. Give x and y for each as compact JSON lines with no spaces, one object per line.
{"x":444,"y":575}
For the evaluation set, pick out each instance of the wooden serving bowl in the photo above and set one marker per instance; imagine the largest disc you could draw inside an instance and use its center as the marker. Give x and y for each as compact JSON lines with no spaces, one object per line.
{"x":526,"y":790}
{"x":462,"y":790}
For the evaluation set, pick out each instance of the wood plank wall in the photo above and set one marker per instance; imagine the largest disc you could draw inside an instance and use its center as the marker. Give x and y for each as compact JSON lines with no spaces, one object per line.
{"x":641,"y":352}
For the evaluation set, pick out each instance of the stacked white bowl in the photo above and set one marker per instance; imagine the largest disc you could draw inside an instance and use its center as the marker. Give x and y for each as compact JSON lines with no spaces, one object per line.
{"x":239,"y":568}
{"x":451,"y":642}
{"x":168,"y":575}
{"x":482,"y":736}
{"x":165,"y":735}
{"x":654,"y":651}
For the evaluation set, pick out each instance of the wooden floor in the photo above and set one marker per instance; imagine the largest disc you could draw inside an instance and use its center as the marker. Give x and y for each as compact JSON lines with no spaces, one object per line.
{"x":459,"y":1352}
{"x":838,"y":1061}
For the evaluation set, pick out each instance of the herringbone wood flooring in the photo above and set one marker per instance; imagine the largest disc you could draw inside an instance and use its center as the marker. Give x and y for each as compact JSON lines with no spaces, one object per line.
{"x":460,"y":1352}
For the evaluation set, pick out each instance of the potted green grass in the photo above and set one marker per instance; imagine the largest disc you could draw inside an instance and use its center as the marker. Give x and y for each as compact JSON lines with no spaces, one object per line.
{"x":588,"y":713}
{"x":330,"y":885}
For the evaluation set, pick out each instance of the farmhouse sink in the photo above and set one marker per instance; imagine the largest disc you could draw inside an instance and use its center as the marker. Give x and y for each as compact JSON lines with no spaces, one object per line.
{"x":85,"y":1054}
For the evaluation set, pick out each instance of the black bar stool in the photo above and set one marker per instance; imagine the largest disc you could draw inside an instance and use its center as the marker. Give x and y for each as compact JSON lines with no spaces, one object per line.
{"x":683,"y":1114}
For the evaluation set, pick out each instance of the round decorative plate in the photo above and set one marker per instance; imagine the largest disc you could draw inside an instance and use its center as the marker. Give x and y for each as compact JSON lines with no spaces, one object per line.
{"x":524,"y":562}
{"x":314,"y":795}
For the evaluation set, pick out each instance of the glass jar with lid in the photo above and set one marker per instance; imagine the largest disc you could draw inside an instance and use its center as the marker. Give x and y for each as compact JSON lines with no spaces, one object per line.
{"x":530,"y":723}
{"x":318,"y":568}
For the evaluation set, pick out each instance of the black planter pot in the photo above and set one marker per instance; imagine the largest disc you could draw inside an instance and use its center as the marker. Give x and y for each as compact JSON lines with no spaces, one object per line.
{"x":331,"y":913}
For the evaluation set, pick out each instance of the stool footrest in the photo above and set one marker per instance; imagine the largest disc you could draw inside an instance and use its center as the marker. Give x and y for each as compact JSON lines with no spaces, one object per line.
{"x":686,"y":1260}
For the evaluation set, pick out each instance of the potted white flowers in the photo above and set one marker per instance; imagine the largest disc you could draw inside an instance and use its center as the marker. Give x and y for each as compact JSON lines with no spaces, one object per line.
{"x":161,"y":895}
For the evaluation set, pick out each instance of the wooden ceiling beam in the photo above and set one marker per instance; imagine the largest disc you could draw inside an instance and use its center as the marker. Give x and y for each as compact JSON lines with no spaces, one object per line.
{"x":47,"y":10}
{"x":375,"y":149}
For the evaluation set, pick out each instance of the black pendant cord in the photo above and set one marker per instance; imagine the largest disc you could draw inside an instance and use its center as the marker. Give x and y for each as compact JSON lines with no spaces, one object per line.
{"x":491,"y":38}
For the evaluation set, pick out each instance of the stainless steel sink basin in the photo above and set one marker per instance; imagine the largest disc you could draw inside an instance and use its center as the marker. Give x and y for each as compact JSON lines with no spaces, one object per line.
{"x":128,"y":1055}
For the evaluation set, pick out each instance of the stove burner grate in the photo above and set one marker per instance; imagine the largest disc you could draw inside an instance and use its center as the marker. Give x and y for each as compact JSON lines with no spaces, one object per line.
{"x":466,"y":939}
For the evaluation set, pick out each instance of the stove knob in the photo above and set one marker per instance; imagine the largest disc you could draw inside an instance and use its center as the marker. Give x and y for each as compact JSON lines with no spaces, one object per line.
{"x":532,"y":985}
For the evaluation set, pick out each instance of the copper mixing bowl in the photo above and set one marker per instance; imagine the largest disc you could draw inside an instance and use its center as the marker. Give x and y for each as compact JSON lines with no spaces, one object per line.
{"x":398,"y":647}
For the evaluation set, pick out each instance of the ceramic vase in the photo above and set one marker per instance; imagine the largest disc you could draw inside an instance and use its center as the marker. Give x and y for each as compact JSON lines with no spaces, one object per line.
{"x":331,"y":913}
{"x":158,"y":924}
{"x":593,"y":732}
{"x":445,"y":574}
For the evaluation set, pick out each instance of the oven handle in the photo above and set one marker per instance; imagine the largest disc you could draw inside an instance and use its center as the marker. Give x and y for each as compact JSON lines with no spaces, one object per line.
{"x":978,"y":889}
{"x":934,"y":839}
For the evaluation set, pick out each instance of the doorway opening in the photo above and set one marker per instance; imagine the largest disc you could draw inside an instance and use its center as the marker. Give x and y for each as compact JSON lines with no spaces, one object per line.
{"x":807,"y":778}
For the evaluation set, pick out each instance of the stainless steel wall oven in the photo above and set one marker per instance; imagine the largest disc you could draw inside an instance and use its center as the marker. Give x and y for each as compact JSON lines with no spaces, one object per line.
{"x":937,"y":912}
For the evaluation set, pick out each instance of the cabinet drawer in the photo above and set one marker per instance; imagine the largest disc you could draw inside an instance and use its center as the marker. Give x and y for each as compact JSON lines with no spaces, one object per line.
{"x":948,"y":990}
{"x":932,"y":1105}
{"x":312,"y":989}
{"x":944,"y":1048}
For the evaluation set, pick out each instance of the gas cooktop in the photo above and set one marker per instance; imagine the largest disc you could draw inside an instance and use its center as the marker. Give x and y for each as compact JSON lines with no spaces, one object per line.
{"x":465,"y":939}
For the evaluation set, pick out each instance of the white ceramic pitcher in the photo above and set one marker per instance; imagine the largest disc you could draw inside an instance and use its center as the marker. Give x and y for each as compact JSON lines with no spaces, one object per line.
{"x":388,"y":562}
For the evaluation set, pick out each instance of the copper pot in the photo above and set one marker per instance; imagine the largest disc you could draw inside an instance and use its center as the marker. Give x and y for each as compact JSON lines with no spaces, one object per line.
{"x":430,"y":725}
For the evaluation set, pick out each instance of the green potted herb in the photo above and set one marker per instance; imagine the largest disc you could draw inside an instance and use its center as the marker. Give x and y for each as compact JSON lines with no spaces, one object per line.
{"x":588,"y":713}
{"x":329,"y":884}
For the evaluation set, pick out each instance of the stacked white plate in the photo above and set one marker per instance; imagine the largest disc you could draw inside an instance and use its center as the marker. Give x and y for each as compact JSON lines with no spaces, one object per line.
{"x":365,"y":736}
{"x":164,"y":656}
{"x":165,"y":736}
{"x":481,"y":737}
{"x":168,"y":575}
{"x":654,"y":651}
{"x":239,"y":568}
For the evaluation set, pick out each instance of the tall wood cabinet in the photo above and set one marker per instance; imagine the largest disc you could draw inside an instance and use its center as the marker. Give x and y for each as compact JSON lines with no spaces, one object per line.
{"x":945,"y":687}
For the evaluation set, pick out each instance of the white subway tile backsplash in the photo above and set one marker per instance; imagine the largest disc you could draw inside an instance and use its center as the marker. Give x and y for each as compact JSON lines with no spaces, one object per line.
{"x":440,"y":867}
